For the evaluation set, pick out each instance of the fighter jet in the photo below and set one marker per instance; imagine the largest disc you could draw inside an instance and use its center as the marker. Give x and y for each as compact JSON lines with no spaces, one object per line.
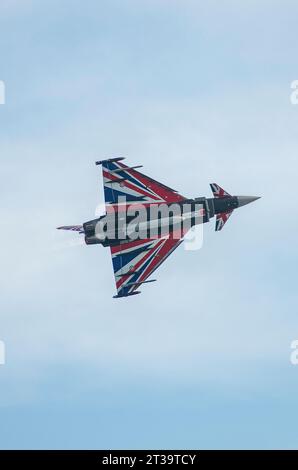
{"x":145,"y":221}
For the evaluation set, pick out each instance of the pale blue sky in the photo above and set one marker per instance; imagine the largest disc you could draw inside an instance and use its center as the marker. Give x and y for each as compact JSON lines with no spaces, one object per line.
{"x":196,"y":92}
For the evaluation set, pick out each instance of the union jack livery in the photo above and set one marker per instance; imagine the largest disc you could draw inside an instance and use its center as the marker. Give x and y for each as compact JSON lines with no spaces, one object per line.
{"x":218,"y":191}
{"x":145,"y":221}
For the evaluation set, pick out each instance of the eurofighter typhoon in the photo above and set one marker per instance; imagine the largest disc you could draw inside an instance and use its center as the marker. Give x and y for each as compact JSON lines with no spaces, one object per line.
{"x":145,"y":221}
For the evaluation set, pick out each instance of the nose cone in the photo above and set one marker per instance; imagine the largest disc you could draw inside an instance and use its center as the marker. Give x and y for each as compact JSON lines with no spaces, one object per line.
{"x":243,"y":200}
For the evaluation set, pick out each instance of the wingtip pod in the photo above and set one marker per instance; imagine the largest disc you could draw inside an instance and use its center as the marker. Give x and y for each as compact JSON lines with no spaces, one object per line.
{"x":116,"y":159}
{"x":127,"y":295}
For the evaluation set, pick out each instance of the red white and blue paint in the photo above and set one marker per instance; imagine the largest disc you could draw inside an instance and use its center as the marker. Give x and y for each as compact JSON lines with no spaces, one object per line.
{"x":134,"y":260}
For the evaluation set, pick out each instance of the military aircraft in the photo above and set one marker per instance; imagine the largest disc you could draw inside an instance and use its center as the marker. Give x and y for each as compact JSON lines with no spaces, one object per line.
{"x":145,"y":221}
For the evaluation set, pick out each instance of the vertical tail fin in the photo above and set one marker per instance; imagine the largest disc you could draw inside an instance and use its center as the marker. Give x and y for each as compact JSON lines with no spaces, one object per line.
{"x":75,"y":228}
